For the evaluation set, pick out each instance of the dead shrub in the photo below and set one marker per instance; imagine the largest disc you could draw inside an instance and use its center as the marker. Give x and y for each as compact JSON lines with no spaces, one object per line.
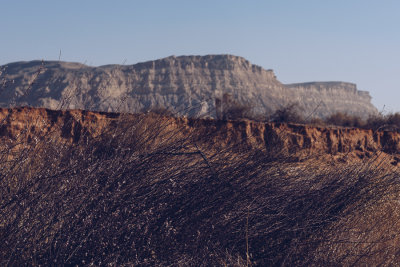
{"x":389,"y":121}
{"x":345,"y":120}
{"x":229,"y":109}
{"x":288,"y":114}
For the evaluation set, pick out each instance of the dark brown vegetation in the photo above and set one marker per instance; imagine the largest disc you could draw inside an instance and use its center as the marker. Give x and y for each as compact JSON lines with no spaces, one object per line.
{"x":228,"y":108}
{"x":292,"y":114}
{"x":144,"y":191}
{"x":342,"y":119}
{"x":288,"y":114}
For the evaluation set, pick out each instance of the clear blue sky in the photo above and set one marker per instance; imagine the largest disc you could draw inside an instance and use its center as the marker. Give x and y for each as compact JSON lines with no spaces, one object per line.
{"x":310,"y":40}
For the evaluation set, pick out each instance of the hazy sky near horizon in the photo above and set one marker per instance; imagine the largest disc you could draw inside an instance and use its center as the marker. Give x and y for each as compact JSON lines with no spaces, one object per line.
{"x":311,"y":40}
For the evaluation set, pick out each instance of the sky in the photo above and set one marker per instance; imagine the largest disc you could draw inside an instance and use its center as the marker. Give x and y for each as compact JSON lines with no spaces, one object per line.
{"x":355,"y":41}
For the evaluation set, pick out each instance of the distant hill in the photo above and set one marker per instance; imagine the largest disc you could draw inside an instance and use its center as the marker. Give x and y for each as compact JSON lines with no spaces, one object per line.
{"x":187,"y":85}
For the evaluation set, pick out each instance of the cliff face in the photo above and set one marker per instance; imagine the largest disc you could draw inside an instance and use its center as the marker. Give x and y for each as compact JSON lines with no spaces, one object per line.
{"x":188,"y":85}
{"x":332,"y":97}
{"x":72,"y":125}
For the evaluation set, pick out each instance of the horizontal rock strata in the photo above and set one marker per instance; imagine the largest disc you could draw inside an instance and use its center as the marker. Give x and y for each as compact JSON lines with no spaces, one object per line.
{"x":187,"y":85}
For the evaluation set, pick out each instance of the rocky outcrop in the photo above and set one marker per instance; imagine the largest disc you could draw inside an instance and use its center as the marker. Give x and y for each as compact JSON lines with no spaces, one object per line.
{"x":188,"y":85}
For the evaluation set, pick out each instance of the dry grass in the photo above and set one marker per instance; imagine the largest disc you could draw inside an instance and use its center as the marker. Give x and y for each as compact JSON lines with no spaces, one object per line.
{"x":144,"y":192}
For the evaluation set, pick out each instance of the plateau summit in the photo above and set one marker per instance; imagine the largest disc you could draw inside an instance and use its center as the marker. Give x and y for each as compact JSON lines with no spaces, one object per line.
{"x":186,"y":85}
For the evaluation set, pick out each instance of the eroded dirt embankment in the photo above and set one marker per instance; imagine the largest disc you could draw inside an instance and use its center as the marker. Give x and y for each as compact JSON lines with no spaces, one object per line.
{"x":148,"y":190}
{"x":72,"y":125}
{"x":295,"y":137}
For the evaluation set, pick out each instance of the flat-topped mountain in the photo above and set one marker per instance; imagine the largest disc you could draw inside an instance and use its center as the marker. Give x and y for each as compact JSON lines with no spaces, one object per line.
{"x":331,"y":97}
{"x":187,"y":85}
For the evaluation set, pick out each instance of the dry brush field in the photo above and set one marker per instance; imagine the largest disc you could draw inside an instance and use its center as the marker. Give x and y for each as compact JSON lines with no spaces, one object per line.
{"x":83,"y":188}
